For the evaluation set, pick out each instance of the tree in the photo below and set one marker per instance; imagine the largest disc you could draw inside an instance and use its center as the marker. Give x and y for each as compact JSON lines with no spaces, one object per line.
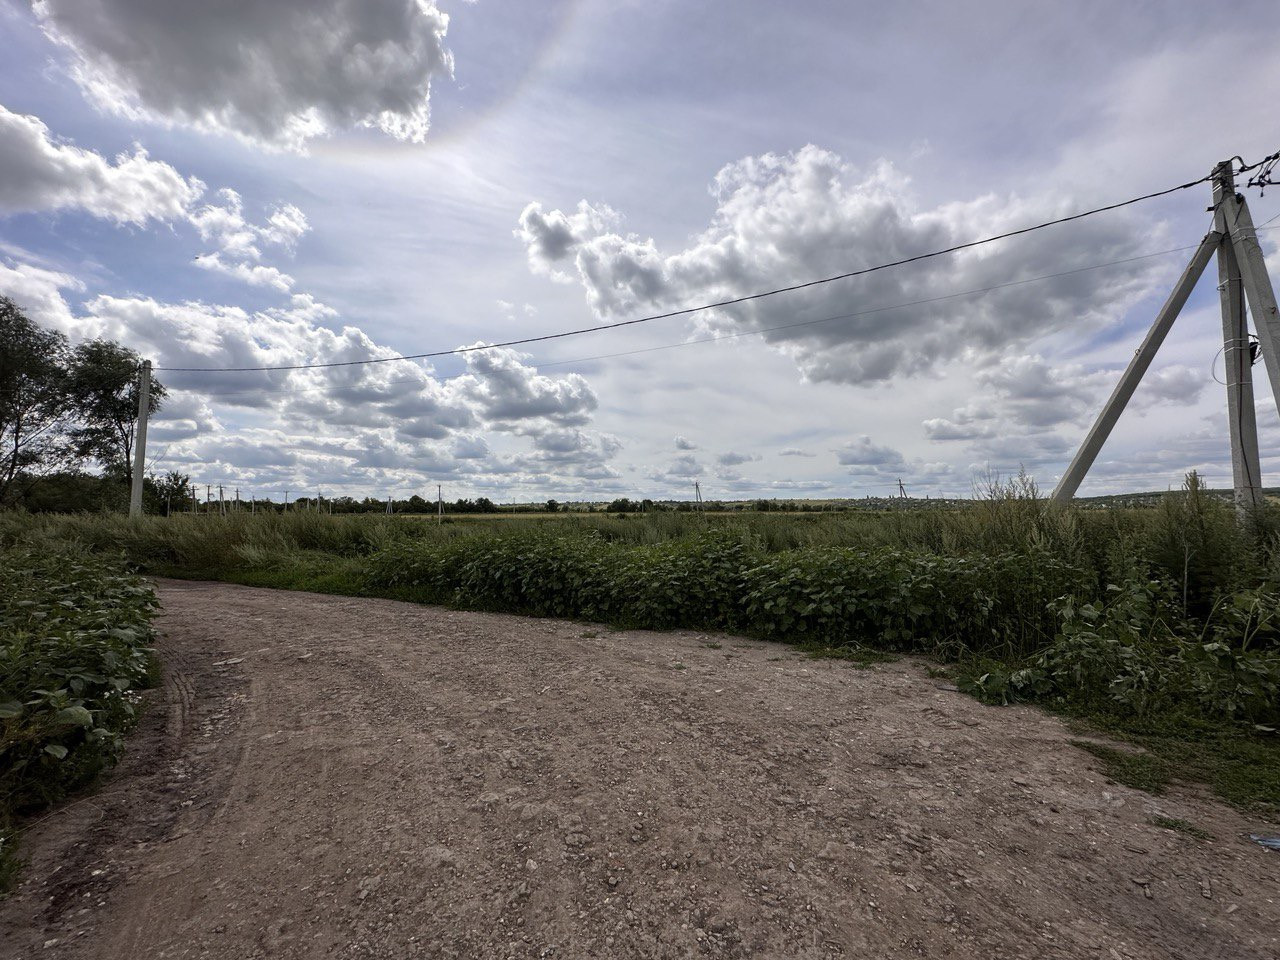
{"x":172,"y":492}
{"x":553,"y":506}
{"x":33,"y":399}
{"x":102,"y":383}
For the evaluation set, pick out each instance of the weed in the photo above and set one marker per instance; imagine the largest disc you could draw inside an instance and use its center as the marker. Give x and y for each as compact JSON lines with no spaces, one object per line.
{"x":76,"y":633}
{"x":1142,"y":771}
{"x":1181,"y":826}
{"x":854,"y":654}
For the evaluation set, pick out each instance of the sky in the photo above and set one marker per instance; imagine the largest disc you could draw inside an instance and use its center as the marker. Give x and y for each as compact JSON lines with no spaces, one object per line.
{"x":218,"y":184}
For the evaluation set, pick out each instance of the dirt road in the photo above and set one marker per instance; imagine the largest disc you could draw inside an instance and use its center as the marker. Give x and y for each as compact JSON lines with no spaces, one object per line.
{"x":331,"y":777}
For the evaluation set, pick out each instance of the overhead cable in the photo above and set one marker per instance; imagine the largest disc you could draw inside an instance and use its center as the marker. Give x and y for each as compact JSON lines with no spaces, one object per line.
{"x":1266,"y":163}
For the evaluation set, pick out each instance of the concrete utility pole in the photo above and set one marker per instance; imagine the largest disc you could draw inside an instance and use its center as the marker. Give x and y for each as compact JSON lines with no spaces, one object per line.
{"x":140,"y":439}
{"x":286,"y":502}
{"x":1246,"y":472}
{"x":439,"y":504}
{"x":1242,"y":274}
{"x":1097,"y":436}
{"x":222,"y":503}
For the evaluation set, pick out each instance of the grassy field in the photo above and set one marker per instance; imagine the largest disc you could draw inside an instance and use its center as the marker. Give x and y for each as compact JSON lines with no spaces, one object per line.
{"x":1159,"y":626}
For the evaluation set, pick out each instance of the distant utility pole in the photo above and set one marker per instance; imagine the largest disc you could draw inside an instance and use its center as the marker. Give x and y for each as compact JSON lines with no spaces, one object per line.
{"x":237,"y":499}
{"x":439,"y":504}
{"x":389,"y":510}
{"x":697,"y":495}
{"x":140,"y":439}
{"x":253,"y":504}
{"x":286,"y":502}
{"x":1242,"y":276}
{"x":195,"y":498}
{"x":902,"y":491}
{"x":208,"y":499}
{"x":222,"y":502}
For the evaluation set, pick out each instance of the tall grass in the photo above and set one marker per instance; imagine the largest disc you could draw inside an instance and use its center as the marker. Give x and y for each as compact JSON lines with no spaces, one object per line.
{"x":1164,"y":619}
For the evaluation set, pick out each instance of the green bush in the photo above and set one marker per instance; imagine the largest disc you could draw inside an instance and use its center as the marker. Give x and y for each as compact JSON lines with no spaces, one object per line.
{"x":1134,"y":657}
{"x":75,"y":636}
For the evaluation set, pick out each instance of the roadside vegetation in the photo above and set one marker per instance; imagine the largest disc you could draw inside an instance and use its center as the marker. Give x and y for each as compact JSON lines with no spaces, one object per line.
{"x":76,"y":631}
{"x":1159,"y":626}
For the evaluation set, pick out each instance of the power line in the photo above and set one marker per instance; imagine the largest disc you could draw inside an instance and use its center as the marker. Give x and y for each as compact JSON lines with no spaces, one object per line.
{"x":874,"y":310}
{"x":707,"y":306}
{"x":257,"y":394}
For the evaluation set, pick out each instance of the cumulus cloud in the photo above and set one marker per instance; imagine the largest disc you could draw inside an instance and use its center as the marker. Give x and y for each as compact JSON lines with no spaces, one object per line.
{"x":240,"y":242}
{"x":1024,"y":400}
{"x":864,"y":455}
{"x":682,"y":467}
{"x":38,"y":173}
{"x":1175,"y":384}
{"x":355,"y":424}
{"x":551,"y":238}
{"x":781,"y":219}
{"x":38,"y":293}
{"x":684,"y":443}
{"x":254,"y":274}
{"x":224,"y":224}
{"x":504,"y":389}
{"x":733,"y":458}
{"x":276,"y":74}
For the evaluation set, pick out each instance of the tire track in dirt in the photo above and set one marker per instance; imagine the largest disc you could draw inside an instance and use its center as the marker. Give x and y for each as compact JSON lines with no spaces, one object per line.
{"x":336,"y":777}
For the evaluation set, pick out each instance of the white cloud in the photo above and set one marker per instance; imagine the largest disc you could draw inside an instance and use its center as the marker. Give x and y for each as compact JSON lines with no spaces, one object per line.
{"x":38,"y":173}
{"x":504,"y":389}
{"x":277,"y":73}
{"x":240,"y":242}
{"x":367,"y":424}
{"x":254,"y":274}
{"x":684,"y":443}
{"x":733,"y":458}
{"x":863,"y":455}
{"x":795,"y":452}
{"x":782,"y":219}
{"x":681,"y":467}
{"x":38,"y":293}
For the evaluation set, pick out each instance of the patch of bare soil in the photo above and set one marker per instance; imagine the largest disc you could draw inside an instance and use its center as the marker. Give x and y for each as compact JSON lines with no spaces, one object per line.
{"x":335,"y":777}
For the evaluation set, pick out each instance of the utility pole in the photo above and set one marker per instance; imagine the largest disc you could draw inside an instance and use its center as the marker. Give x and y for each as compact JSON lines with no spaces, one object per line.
{"x":286,"y":502}
{"x":439,"y":504}
{"x":195,"y":498}
{"x":697,"y":496}
{"x":208,"y":499}
{"x":222,"y":503}
{"x":389,"y":510}
{"x":237,"y":499}
{"x":140,"y":439}
{"x":1246,"y":471}
{"x":1242,"y":277}
{"x":902,"y":491}
{"x":253,"y":504}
